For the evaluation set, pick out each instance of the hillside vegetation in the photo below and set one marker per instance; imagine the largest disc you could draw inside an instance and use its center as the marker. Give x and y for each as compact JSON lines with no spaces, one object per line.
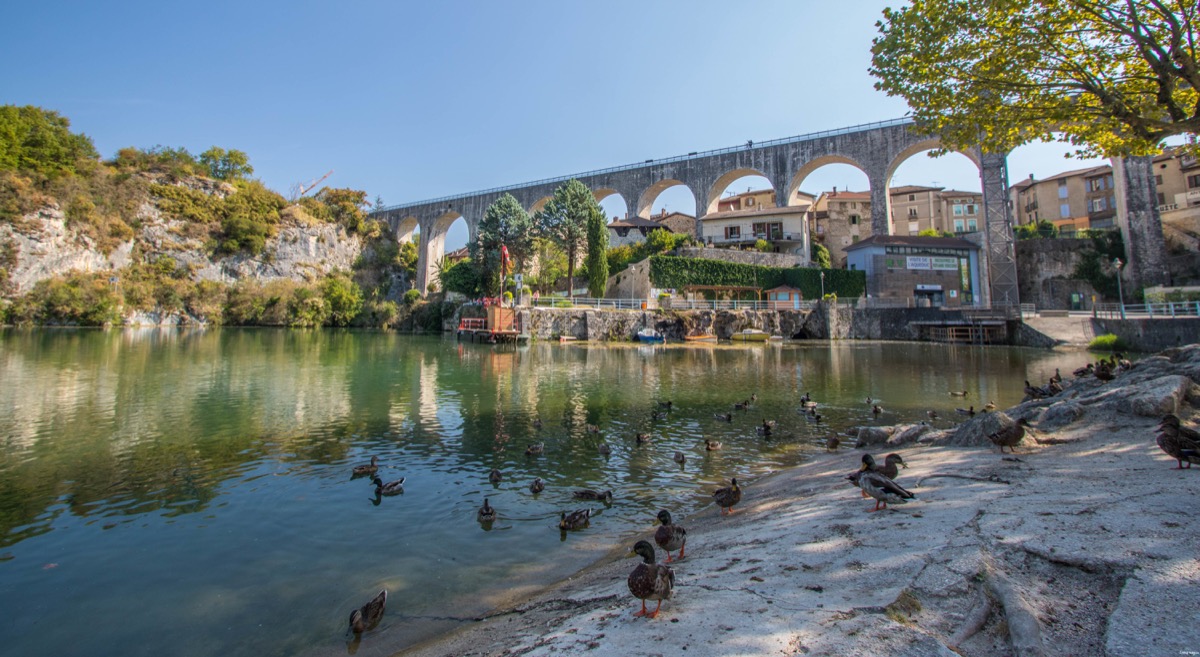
{"x":208,"y":199}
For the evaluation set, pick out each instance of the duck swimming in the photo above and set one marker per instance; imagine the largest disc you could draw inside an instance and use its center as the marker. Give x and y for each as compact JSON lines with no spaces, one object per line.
{"x":487,"y":512}
{"x":364,"y":470}
{"x":369,"y":615}
{"x":390,"y":488}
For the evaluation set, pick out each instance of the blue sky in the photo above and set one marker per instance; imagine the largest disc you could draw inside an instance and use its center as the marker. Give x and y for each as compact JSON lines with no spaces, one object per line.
{"x":416,"y":100}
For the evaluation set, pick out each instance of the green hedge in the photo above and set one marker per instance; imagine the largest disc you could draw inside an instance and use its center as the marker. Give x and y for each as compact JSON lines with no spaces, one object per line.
{"x":677,"y":273}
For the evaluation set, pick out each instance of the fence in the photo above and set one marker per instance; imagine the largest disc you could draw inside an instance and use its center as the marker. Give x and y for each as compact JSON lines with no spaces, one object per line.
{"x":1147,"y":310}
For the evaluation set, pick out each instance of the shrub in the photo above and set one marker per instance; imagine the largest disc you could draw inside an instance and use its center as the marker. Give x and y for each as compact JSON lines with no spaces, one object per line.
{"x":763,"y":246}
{"x":677,"y":273}
{"x":78,"y":299}
{"x":460,"y":277}
{"x":1107,"y":342}
{"x":411,"y":298}
{"x":343,"y":297}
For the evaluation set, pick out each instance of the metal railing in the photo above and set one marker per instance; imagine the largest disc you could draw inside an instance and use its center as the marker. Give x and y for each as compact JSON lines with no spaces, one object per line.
{"x":670,"y":160}
{"x":1168,"y":310}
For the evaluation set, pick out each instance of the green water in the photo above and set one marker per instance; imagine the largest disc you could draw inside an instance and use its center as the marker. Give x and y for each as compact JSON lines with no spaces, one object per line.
{"x":189,"y":493}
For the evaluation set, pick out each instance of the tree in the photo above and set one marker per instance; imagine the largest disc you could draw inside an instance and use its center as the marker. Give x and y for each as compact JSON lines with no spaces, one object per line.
{"x":34,"y":140}
{"x":505,"y":224}
{"x":933,"y":232}
{"x":597,"y":250}
{"x":1033,"y":230}
{"x":820,"y":256}
{"x":551,"y":264}
{"x":564,"y":221}
{"x":1112,"y":78}
{"x":343,"y":296}
{"x":226,"y":165}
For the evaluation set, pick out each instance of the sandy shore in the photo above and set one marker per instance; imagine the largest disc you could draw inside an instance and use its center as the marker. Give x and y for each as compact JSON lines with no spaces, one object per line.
{"x":1085,"y":543}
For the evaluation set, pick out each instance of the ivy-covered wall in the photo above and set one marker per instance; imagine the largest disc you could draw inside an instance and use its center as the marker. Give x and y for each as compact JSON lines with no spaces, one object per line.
{"x":677,"y":273}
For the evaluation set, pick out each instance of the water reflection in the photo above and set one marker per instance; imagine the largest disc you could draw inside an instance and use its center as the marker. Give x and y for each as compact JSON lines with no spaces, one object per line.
{"x":200,"y":480}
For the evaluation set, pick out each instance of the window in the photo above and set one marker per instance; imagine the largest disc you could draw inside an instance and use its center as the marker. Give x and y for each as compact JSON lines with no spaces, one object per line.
{"x":1062,"y":189}
{"x":854,"y":238}
{"x":912,"y":212}
{"x":912,"y":197}
{"x":1064,"y":210}
{"x":958,"y":210}
{"x":958,"y":225}
{"x":854,"y":205}
{"x":1162,"y":198}
{"x":1158,"y":180}
{"x":853,"y":220}
{"x":971,"y":208}
{"x":972,"y":226}
{"x":733,"y":232}
{"x":1097,"y":205}
{"x":1194,"y":181}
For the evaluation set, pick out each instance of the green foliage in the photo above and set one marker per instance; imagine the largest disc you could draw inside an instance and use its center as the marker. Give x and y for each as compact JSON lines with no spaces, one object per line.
{"x":820,"y":256}
{"x":657,"y":242}
{"x":226,"y":165}
{"x":763,"y":246}
{"x":1163,"y":295}
{"x":505,"y":224}
{"x":461,"y":277}
{"x":564,"y":220}
{"x":552,"y":265}
{"x":1042,"y":229}
{"x":597,"y":262}
{"x":411,"y":298}
{"x":407,"y":257}
{"x":1112,"y":78}
{"x":247,"y":218}
{"x":933,"y":232}
{"x":78,"y":300}
{"x":1095,"y":264}
{"x":344,"y":298}
{"x":8,"y":260}
{"x":40,"y":143}
{"x":346,"y":207}
{"x":677,"y":273}
{"x":175,"y":163}
{"x":1107,"y":342}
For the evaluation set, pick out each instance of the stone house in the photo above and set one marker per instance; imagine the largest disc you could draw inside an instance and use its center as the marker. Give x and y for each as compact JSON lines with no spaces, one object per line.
{"x":631,"y":230}
{"x":839,"y":219}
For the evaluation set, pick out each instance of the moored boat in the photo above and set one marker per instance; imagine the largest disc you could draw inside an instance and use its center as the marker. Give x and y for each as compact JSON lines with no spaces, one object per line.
{"x":649,"y":335}
{"x":750,"y":335}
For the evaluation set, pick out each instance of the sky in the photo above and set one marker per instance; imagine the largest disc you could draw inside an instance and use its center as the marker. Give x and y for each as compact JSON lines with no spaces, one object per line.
{"x":410,"y":101}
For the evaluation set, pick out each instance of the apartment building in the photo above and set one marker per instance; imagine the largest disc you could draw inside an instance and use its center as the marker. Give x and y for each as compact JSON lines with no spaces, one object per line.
{"x":743,"y":219}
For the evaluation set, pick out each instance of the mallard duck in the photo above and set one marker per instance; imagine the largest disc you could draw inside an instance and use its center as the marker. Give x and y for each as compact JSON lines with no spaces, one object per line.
{"x":1053,"y":387}
{"x":889,"y":468}
{"x":742,"y":405}
{"x":1084,"y":371}
{"x":813,"y":416}
{"x":965,"y":411}
{"x":876,"y":409}
{"x":604,"y":449}
{"x":769,"y":424}
{"x":989,"y":407}
{"x":591,"y":494}
{"x":1057,"y":378}
{"x":712,"y":445}
{"x":668,"y":536}
{"x":591,"y":428}
{"x":1104,"y":371}
{"x":810,"y":405}
{"x":1010,"y":435}
{"x":537,"y":485}
{"x":1035,"y":392}
{"x":932,"y":415}
{"x":643,"y":438}
{"x":666,"y":404}
{"x":753,"y":397}
{"x":535,"y":448}
{"x":806,"y":398}
{"x":1179,"y":442}
{"x":575,"y":519}
{"x":495,"y":476}
{"x":487,"y":512}
{"x":724,"y":417}
{"x":390,"y":488}
{"x":763,"y":430}
{"x":879,"y":486}
{"x":369,"y":615}
{"x":958,"y":393}
{"x":1123,"y":363}
{"x":727,"y":497}
{"x":832,"y":441}
{"x":680,"y":458}
{"x":364,"y":470}
{"x":650,"y":580}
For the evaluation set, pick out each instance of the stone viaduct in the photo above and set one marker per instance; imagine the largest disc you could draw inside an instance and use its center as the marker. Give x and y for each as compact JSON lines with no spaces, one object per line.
{"x":877,"y":149}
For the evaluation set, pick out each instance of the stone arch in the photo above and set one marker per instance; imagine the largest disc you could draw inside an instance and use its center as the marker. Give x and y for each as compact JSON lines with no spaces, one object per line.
{"x":812,"y":165}
{"x":405,"y":228}
{"x":433,"y":245}
{"x":645,"y":202}
{"x":538,"y":205}
{"x":724,"y":181}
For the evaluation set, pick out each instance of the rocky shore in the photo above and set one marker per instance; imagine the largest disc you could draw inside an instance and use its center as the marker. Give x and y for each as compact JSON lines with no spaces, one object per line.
{"x":1083,"y":543}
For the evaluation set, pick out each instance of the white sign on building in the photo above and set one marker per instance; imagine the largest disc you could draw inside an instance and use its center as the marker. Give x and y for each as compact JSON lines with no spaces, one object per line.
{"x":919,"y":262}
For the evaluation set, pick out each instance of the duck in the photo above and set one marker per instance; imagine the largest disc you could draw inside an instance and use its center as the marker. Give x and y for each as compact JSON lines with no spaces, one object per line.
{"x":870,"y":401}
{"x":575,"y":519}
{"x":1010,"y":435}
{"x":537,"y":423}
{"x":806,"y":398}
{"x":813,"y":416}
{"x":742,"y":405}
{"x":763,"y":429}
{"x":537,"y":485}
{"x":1057,"y":378}
{"x":1084,"y":371}
{"x":877,"y":409}
{"x":535,"y":448}
{"x":680,"y":458}
{"x":1179,"y":442}
{"x":932,"y":415}
{"x":666,"y":404}
{"x":650,"y":580}
{"x":643,"y":438}
{"x":670,"y":537}
{"x":989,"y":407}
{"x":1034,"y":392}
{"x":753,"y":397}
{"x":810,"y":404}
{"x":1053,"y":387}
{"x":658,"y":415}
{"x":1123,"y":363}
{"x":768,"y":424}
{"x":1104,"y":371}
{"x":390,"y":488}
{"x":724,"y":417}
{"x":368,"y":615}
{"x":591,"y":428}
{"x":958,"y":393}
{"x":604,"y":449}
{"x":495,"y":476}
{"x":969,"y":411}
{"x":727,"y":497}
{"x":879,"y":486}
{"x":487,"y":512}
{"x":712,"y":445}
{"x":832,"y":442}
{"x":591,"y":494}
{"x":890,"y":463}
{"x":364,"y":470}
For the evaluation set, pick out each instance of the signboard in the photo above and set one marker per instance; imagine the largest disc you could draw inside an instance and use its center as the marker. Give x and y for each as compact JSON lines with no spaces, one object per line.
{"x":945,"y":264}
{"x":919,"y":262}
{"x":923,"y":287}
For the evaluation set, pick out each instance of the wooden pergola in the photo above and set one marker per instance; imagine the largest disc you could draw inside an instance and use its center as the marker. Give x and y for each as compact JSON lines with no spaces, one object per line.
{"x":724,"y":288}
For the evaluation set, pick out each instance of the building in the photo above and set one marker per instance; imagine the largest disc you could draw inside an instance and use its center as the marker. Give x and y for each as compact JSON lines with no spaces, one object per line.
{"x":742,"y":220}
{"x":962,"y":212}
{"x":840,"y":219}
{"x":631,"y":230}
{"x":918,"y":271}
{"x":1060,"y":199}
{"x":1177,"y":181}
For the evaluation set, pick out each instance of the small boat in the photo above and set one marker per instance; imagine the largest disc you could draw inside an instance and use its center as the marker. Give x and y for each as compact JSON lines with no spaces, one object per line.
{"x":750,"y":335}
{"x":700,"y":337}
{"x":649,"y":335}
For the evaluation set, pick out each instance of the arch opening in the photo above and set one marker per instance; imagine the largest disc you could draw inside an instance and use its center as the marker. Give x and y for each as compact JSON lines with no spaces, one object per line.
{"x":671,"y":203}
{"x":838,"y":193}
{"x":934,"y":196}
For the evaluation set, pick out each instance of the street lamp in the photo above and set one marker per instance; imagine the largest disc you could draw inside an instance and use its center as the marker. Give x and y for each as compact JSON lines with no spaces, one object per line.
{"x":822,"y":284}
{"x":1120,"y":292}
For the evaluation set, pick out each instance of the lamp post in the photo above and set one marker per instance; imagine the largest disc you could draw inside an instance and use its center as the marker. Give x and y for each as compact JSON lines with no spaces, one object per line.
{"x":822,"y":284}
{"x":1120,"y":291}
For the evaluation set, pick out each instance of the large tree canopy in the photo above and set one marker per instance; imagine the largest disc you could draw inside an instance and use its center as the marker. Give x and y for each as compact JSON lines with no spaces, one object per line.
{"x":34,"y":140}
{"x":505,"y":224}
{"x":1112,"y":77}
{"x":564,"y":221}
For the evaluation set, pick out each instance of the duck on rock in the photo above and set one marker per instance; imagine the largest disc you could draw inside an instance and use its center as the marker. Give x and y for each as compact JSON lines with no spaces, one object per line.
{"x":650,"y":580}
{"x":670,"y":536}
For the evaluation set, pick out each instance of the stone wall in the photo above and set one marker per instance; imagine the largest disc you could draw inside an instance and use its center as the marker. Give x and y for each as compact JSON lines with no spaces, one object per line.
{"x":1044,"y":272}
{"x":1150,"y":335}
{"x":744,"y":257}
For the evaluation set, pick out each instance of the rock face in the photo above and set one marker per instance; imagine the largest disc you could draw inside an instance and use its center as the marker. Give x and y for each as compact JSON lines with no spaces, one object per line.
{"x":49,"y":248}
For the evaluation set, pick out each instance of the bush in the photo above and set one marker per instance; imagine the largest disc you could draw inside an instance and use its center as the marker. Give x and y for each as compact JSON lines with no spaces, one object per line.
{"x":411,"y":298}
{"x":1042,"y":229}
{"x":508,"y":297}
{"x":763,"y":246}
{"x":78,"y":299}
{"x":1107,"y":342}
{"x":460,"y":277}
{"x":677,"y":273}
{"x":343,"y":297}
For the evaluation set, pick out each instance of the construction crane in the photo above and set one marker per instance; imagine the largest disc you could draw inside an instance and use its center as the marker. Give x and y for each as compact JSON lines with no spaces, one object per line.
{"x":304,"y":189}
